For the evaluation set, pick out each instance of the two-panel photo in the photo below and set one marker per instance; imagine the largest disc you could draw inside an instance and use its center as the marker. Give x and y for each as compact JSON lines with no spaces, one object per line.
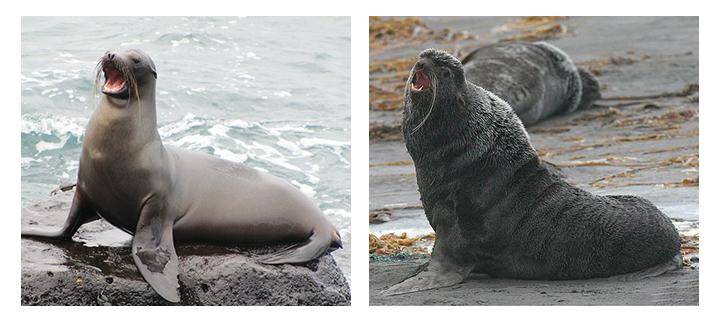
{"x":536,"y":160}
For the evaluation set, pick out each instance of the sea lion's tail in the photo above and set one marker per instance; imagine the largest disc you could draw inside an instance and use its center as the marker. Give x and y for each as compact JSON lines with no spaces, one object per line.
{"x":590,"y":90}
{"x":320,"y":242}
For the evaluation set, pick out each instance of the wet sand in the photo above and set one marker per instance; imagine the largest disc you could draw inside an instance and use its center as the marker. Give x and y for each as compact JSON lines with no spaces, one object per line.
{"x":674,"y":288}
{"x":641,"y":138}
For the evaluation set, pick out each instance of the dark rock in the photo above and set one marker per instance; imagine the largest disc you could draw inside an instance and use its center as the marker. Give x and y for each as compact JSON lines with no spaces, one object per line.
{"x":97,"y":269}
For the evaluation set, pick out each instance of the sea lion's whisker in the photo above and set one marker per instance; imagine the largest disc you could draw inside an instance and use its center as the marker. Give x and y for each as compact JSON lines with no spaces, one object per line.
{"x":98,"y":71}
{"x":433,"y":82}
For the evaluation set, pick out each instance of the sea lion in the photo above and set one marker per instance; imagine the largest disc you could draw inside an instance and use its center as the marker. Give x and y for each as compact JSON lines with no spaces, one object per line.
{"x":496,"y":210}
{"x":538,"y":80}
{"x":160,"y":194}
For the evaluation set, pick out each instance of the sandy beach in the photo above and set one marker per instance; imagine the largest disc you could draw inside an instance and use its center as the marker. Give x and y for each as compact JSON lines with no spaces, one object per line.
{"x":641,"y":139}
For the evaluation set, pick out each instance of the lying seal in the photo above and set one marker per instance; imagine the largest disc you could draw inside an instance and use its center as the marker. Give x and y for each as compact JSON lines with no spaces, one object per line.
{"x":160,"y":194}
{"x":538,"y":80}
{"x":496,"y":210}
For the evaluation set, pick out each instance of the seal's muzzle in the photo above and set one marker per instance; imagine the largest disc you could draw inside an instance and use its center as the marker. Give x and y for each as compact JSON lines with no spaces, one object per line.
{"x":420,"y":81}
{"x":116,"y":84}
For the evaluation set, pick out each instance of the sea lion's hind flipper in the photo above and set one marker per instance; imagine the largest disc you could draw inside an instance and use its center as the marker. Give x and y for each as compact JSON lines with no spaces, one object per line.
{"x":590,"y":90}
{"x":316,"y":246}
{"x":657,"y":270}
{"x":154,"y":252}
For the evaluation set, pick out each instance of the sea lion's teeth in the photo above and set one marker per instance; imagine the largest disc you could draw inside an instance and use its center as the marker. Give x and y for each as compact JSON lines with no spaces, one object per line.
{"x":421,"y":88}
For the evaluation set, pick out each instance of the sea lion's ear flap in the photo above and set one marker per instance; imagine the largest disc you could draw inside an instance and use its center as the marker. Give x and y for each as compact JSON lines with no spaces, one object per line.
{"x":461,"y":99}
{"x":151,"y":64}
{"x":154,"y":252}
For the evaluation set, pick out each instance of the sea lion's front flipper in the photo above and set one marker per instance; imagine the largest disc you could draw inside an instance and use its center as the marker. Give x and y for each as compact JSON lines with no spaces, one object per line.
{"x":81,"y":212}
{"x":428,"y":277}
{"x":441,"y":271}
{"x":154,"y":252}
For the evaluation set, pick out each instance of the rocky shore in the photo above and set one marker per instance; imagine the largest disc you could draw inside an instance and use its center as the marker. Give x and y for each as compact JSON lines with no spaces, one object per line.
{"x":96,"y":268}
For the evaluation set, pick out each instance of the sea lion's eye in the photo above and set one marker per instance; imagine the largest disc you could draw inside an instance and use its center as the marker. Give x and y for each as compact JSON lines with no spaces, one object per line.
{"x":136,"y":61}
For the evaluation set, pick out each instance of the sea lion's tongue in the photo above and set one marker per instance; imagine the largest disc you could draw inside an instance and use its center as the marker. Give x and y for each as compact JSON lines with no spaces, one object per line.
{"x":114,"y":81}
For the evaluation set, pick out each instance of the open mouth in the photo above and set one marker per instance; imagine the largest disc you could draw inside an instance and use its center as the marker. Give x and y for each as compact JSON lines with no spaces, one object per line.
{"x":115,"y":83}
{"x":420,"y":81}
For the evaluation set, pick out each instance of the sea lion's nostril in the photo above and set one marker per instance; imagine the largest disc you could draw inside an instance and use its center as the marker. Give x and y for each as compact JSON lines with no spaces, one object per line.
{"x":110,"y":55}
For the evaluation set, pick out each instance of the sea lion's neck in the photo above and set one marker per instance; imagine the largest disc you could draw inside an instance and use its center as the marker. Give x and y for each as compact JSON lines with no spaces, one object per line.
{"x":134,"y":118}
{"x":448,"y":129}
{"x":479,"y":135}
{"x":120,"y":128}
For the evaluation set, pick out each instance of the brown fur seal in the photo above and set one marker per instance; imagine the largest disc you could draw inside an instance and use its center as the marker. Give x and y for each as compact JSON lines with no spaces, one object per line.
{"x":496,"y":210}
{"x":160,"y":194}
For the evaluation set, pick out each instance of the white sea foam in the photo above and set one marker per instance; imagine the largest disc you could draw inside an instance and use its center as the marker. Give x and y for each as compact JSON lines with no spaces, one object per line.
{"x":187,"y":122}
{"x":336,"y":146}
{"x":52,"y":125}
{"x":337,"y":212}
{"x":265,"y":148}
{"x":194,"y":142}
{"x":229,"y":155}
{"x":311,"y":178}
{"x":297,"y":129}
{"x":219,"y":130}
{"x":237,"y":123}
{"x":43,"y":146}
{"x":306,"y":189}
{"x":280,"y":162}
{"x":292,"y":147}
{"x":72,"y":165}
{"x":314,"y":141}
{"x":52,"y":78}
{"x":26,"y":161}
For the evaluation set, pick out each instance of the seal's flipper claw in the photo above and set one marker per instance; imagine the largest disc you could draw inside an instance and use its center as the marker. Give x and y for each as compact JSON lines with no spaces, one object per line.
{"x":154,"y":252}
{"x":317,"y":245}
{"x":424,"y":280}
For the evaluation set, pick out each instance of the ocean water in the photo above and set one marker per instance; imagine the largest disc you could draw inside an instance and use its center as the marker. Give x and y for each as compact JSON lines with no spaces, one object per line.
{"x":272,"y":93}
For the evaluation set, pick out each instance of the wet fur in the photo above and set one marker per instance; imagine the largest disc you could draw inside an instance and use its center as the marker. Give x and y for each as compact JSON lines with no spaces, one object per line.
{"x":494,"y":206}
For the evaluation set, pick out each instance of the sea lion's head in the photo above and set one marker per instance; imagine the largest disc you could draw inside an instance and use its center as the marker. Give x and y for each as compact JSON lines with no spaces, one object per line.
{"x":436,"y":80}
{"x":127,"y":74}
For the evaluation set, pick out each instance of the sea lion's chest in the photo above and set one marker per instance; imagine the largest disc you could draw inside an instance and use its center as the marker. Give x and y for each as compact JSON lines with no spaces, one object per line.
{"x":117,"y":182}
